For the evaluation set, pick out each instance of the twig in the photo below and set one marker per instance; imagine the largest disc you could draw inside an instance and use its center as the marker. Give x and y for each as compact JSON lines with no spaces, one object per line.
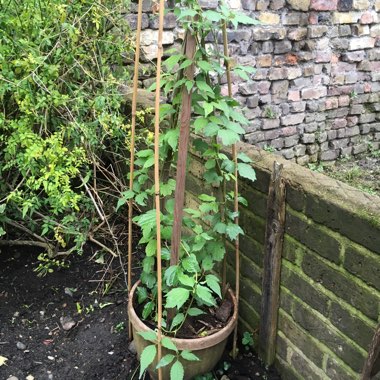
{"x":109,"y":250}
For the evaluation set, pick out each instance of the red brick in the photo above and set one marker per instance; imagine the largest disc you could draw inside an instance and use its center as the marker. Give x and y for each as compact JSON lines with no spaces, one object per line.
{"x":331,"y":103}
{"x":339,"y":123}
{"x":367,"y":18}
{"x":324,"y":5}
{"x":294,"y":95}
{"x":344,"y":101}
{"x":313,"y":18}
{"x":314,"y":92}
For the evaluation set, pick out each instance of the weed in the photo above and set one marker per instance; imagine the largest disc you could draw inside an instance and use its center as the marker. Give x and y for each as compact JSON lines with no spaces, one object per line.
{"x":316,"y":167}
{"x":269,"y":113}
{"x":269,"y":148}
{"x":119,"y":327}
{"x":247,"y":340}
{"x":353,"y":94}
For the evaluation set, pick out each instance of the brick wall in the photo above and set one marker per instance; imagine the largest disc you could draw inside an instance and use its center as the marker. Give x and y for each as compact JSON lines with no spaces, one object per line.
{"x":316,"y":92}
{"x":330,"y":277}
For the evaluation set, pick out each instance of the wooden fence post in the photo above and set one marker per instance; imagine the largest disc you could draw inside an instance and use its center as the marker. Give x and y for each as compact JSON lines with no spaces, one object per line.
{"x":274,"y":236}
{"x":372,"y":364}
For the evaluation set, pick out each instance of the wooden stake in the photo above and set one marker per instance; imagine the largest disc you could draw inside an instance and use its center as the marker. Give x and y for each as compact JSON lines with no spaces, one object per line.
{"x":274,"y":236}
{"x":372,"y":364}
{"x":132,"y":159}
{"x":183,"y":149}
{"x":157,"y":181}
{"x":236,"y":194}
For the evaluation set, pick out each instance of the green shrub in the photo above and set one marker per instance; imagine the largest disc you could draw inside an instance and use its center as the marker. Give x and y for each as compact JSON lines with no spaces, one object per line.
{"x":61,"y":125}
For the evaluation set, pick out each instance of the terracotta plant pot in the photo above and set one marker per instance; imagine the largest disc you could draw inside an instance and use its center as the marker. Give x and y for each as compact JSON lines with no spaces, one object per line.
{"x":208,"y":349}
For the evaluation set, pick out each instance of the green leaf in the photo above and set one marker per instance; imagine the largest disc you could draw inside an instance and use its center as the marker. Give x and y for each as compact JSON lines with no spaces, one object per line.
{"x":186,"y":280}
{"x":121,"y":202}
{"x":244,"y":19}
{"x":205,"y":66}
{"x":149,"y":162}
{"x":200,"y":123}
{"x":188,"y":355}
{"x":177,"y":372}
{"x":246,"y":171}
{"x":185,"y":63}
{"x":177,"y":297}
{"x":148,"y":308}
{"x":140,"y":198}
{"x":204,"y":294}
{"x":244,"y":158}
{"x":190,"y":264}
{"x":177,"y":320}
{"x":206,"y":198}
{"x":149,"y":335}
{"x":145,"y":153}
{"x":151,"y":247}
{"x":185,"y":13}
{"x":147,"y":357}
{"x":207,"y":263}
{"x":171,"y":137}
{"x":212,"y":16}
{"x":233,"y":230}
{"x":235,"y":128}
{"x":148,"y":279}
{"x":228,"y":137}
{"x":148,"y":264}
{"x":168,"y":343}
{"x":194,"y":312}
{"x":167,"y":359}
{"x":203,"y":86}
{"x":208,"y":108}
{"x":142,"y":294}
{"x":167,"y":188}
{"x":216,"y":249}
{"x":126,"y":195}
{"x":172,"y":61}
{"x":213,"y":283}
{"x":170,"y":275}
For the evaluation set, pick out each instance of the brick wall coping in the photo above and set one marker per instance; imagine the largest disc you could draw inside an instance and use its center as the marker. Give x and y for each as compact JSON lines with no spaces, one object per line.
{"x":328,"y":189}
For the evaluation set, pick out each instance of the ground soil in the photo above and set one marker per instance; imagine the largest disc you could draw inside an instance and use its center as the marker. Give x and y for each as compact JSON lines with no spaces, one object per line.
{"x":362,"y":173}
{"x":33,"y":340}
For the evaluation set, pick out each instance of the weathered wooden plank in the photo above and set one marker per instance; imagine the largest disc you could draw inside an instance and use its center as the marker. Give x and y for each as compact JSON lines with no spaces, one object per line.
{"x":372,"y":364}
{"x":274,"y":236}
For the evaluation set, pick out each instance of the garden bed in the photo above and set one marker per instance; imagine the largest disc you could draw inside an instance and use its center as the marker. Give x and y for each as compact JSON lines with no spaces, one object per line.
{"x":35,"y":343}
{"x":362,"y":172}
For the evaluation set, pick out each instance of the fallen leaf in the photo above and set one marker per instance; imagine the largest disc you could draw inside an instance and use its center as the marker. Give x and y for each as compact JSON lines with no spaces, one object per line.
{"x":46,"y":342}
{"x":3,"y":360}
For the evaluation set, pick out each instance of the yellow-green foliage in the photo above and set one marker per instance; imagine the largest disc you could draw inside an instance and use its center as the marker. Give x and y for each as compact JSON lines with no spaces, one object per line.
{"x":60,"y":72}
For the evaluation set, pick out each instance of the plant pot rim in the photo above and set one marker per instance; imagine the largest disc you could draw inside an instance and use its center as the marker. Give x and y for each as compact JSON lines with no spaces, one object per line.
{"x":193,"y":344}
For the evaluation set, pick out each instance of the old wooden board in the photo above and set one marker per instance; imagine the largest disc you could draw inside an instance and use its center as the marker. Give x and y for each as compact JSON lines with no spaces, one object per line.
{"x":274,"y":236}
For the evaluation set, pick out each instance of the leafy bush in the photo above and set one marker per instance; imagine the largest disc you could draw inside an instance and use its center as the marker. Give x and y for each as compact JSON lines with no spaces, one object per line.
{"x":61,"y":126}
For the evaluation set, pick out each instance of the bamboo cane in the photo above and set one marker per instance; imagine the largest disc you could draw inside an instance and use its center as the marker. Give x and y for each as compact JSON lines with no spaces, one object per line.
{"x":132,"y":159}
{"x":236,"y":189}
{"x":157,"y":181}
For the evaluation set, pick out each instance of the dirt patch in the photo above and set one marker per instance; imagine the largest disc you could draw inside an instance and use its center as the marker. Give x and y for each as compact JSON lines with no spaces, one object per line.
{"x":31,"y":315}
{"x":34,"y":313}
{"x":362,"y":173}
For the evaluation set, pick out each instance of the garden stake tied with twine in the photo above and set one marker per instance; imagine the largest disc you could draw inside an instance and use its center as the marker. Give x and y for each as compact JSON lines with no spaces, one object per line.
{"x":156,"y":166}
{"x":157,"y":181}
{"x":132,"y":153}
{"x":236,"y":192}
